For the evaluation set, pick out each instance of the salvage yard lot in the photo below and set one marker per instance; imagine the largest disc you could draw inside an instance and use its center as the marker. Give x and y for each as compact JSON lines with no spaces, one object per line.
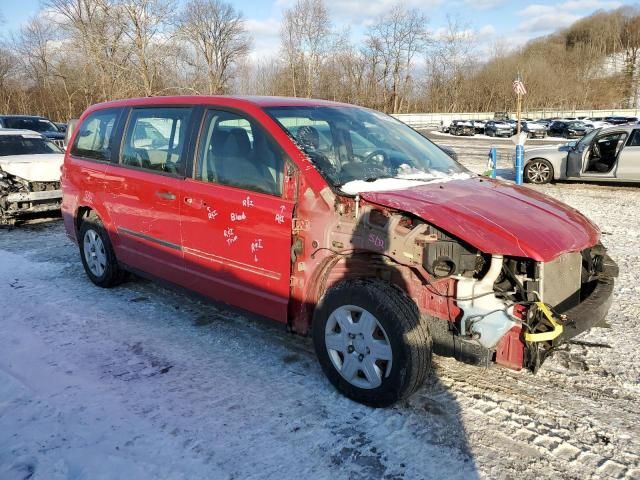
{"x":143,"y":382}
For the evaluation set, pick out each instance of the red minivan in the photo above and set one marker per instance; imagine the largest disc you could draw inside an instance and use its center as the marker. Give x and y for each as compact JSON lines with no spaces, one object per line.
{"x":337,"y":221}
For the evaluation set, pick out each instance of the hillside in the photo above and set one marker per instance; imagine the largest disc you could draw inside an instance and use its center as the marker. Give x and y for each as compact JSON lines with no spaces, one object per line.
{"x":591,"y":64}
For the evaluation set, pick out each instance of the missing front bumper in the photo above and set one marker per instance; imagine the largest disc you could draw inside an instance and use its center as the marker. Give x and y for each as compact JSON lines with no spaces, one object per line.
{"x":18,"y":205}
{"x":589,"y":313}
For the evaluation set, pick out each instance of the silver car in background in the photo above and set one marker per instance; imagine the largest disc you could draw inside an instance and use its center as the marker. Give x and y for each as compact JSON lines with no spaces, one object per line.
{"x":603,"y":155}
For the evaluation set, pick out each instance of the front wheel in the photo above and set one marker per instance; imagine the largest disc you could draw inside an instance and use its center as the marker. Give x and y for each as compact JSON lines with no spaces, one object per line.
{"x":371,"y":342}
{"x":538,"y":171}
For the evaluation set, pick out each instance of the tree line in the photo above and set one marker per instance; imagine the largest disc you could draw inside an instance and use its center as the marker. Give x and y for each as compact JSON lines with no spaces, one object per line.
{"x":79,"y":52}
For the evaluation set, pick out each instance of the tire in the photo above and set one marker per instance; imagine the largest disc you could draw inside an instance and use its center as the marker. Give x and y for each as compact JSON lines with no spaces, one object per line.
{"x":97,"y":255}
{"x":538,"y":171}
{"x":400,"y":337}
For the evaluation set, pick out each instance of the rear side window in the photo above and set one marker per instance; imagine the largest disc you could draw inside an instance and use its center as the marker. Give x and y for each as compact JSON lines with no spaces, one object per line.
{"x":94,"y":136}
{"x":155,"y":139}
{"x":236,"y":151}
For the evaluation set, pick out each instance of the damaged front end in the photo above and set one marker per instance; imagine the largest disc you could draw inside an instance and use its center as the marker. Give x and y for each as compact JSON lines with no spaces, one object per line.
{"x":516,"y":311}
{"x":20,"y":198}
{"x":483,"y":308}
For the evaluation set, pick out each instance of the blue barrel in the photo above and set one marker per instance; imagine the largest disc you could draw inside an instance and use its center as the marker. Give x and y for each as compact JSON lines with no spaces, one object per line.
{"x":519,"y":160}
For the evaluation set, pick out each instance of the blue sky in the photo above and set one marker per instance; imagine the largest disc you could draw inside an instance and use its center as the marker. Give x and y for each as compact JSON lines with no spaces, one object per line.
{"x":507,"y":23}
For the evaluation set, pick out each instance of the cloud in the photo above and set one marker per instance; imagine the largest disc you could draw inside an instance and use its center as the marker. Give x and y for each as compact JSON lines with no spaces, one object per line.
{"x":539,"y":18}
{"x":483,"y":4}
{"x":487,"y":31}
{"x":548,"y":22}
{"x":266,"y":37}
{"x":359,"y":12}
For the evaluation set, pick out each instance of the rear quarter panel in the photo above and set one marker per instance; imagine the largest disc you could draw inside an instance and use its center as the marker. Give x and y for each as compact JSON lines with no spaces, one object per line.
{"x":82,"y":183}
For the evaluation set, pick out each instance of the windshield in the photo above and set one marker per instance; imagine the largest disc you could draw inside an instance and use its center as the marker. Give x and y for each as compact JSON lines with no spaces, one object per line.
{"x":35,"y":124}
{"x":349,"y":143}
{"x":26,"y":145}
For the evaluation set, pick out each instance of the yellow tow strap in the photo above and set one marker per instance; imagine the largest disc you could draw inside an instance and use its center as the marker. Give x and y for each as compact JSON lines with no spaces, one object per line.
{"x":545,"y":336}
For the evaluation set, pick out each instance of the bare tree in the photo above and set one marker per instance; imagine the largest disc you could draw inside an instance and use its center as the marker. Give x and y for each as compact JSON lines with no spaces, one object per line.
{"x":216,"y":31}
{"x":146,"y":22}
{"x":306,"y":39}
{"x":395,"y":38}
{"x":96,"y":28}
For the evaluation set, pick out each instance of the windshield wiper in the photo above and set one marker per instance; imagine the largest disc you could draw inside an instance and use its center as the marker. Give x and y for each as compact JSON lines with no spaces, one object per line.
{"x":373,"y":179}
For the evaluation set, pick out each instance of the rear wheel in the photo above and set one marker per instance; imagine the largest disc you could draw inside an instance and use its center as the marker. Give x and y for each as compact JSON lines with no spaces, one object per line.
{"x":371,"y":342}
{"x":96,"y":252}
{"x":538,"y":171}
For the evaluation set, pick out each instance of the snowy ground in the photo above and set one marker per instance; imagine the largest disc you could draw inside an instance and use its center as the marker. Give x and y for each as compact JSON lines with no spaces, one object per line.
{"x":141,"y":382}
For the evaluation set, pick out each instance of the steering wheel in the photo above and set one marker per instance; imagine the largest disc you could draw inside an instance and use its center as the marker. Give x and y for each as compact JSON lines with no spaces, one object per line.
{"x":375,"y":153}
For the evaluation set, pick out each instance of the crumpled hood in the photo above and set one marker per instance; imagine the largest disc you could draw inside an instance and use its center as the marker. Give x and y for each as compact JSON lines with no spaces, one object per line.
{"x":496,"y":217}
{"x":34,"y":168}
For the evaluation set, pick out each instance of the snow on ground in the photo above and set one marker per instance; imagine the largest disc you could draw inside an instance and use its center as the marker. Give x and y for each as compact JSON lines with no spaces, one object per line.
{"x":143,"y":382}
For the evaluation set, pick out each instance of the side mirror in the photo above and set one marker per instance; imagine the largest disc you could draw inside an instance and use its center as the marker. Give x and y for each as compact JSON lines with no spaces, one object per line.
{"x":572,"y":145}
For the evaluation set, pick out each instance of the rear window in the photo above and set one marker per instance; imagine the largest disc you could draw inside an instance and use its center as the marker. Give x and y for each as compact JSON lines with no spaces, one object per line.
{"x":35,"y":124}
{"x":26,"y":145}
{"x":155,"y":139}
{"x":94,"y":136}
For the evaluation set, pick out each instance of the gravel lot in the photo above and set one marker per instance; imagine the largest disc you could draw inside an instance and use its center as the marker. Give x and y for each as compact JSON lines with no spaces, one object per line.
{"x":143,"y":382}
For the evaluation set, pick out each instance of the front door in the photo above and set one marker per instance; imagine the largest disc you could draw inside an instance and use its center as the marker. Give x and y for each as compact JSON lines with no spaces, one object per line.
{"x":629,"y":159}
{"x":601,"y":157}
{"x":145,"y":190}
{"x":236,"y":220}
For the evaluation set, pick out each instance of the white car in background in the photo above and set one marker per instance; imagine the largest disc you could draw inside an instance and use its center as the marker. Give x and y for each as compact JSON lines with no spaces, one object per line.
{"x":29,"y":175}
{"x":597,"y":122}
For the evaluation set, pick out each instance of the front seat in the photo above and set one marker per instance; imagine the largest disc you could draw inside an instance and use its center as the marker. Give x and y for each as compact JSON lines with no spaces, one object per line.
{"x":234,"y":165}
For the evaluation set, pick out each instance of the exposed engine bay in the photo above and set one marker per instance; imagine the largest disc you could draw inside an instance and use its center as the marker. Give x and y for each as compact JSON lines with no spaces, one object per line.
{"x":510,"y":310}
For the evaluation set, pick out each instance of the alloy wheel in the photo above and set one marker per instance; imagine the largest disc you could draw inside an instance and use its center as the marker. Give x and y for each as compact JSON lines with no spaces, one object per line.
{"x":538,"y":172}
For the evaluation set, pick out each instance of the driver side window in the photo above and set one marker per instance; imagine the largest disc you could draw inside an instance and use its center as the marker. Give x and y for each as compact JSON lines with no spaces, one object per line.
{"x":634,"y":139}
{"x":236,"y":151}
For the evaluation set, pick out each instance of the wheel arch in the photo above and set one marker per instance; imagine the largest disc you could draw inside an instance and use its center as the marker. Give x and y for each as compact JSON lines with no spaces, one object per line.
{"x":362,"y":265}
{"x":87,"y":211}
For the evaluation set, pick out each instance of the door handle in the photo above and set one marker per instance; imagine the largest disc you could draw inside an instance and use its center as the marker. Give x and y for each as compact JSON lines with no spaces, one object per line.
{"x":166,"y":195}
{"x":195,"y":202}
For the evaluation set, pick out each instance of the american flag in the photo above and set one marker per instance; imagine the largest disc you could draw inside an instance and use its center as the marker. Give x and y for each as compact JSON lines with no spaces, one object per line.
{"x":518,"y":87}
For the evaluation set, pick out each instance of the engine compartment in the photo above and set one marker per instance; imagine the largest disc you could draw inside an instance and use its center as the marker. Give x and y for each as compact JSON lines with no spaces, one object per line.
{"x":481,"y":307}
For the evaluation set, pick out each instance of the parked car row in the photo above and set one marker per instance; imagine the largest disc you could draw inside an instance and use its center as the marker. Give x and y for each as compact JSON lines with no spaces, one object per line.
{"x":502,"y":126}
